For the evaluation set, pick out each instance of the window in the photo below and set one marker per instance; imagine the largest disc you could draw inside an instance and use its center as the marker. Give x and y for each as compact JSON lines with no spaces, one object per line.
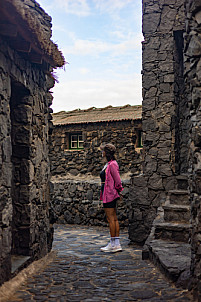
{"x":139,"y":139}
{"x":76,"y":141}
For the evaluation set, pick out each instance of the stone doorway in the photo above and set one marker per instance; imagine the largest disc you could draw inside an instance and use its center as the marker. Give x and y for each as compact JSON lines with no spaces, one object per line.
{"x":182,"y":111}
{"x":20,"y":113}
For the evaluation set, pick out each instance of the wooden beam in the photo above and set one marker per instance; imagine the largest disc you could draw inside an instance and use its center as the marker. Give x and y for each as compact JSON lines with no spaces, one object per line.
{"x":45,"y":65}
{"x":21,"y":45}
{"x":35,"y":57}
{"x":8,"y":30}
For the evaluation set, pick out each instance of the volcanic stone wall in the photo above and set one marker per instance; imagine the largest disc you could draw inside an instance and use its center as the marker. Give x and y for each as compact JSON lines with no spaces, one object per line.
{"x":24,"y":163}
{"x":123,"y":135}
{"x":78,"y":202}
{"x":193,"y":87}
{"x":163,"y":100}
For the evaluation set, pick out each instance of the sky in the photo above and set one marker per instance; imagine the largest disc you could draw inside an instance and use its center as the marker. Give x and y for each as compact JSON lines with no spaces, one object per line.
{"x":101,"y":43}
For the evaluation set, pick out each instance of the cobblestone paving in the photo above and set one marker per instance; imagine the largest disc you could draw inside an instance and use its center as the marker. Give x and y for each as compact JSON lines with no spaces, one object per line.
{"x":81,"y":272}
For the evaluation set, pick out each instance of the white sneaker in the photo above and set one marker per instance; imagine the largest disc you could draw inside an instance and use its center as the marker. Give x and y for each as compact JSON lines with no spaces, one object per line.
{"x":111,"y":249}
{"x":108,"y":248}
{"x":117,"y":248}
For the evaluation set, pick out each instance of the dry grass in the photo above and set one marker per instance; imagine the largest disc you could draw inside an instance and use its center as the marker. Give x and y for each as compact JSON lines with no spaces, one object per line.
{"x":42,"y":37}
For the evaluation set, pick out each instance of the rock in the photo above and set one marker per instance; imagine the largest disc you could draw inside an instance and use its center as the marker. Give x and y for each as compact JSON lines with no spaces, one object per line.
{"x":72,"y":188}
{"x":169,"y":78}
{"x":23,"y":114}
{"x":194,"y":48}
{"x":184,"y":278}
{"x":139,"y":196}
{"x":150,"y":22}
{"x":89,"y":195}
{"x":74,"y":172}
{"x":197,"y":136}
{"x":149,"y":80}
{"x":77,"y":219}
{"x":167,"y":18}
{"x":198,"y":17}
{"x":155,"y":182}
{"x":68,"y":217}
{"x":137,"y":233}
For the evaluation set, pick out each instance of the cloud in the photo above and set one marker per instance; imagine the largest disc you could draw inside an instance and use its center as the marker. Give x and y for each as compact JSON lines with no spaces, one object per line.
{"x":110,"y":6}
{"x":118,"y":34}
{"x":97,"y":47}
{"x":83,"y":8}
{"x":88,"y":47}
{"x":75,"y":7}
{"x":83,"y":71}
{"x":84,"y":94}
{"x":127,"y":46}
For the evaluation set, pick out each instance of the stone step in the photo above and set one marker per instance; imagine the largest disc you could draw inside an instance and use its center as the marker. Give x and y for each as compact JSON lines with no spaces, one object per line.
{"x":179,"y":197}
{"x":182,"y":181}
{"x":175,"y":213}
{"x":172,"y":258}
{"x":172,"y":231}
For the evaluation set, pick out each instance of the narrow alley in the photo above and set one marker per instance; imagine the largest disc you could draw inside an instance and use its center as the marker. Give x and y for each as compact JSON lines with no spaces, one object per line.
{"x":81,"y":272}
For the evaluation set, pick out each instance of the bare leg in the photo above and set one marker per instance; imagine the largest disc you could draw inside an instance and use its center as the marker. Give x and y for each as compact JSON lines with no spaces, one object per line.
{"x":116,"y":228}
{"x":114,"y":245}
{"x":113,"y":221}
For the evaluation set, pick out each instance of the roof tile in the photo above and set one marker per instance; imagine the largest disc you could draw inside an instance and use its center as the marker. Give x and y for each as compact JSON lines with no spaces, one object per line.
{"x":96,"y":115}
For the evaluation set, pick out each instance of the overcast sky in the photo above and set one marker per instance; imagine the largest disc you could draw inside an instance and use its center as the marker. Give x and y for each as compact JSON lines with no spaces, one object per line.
{"x":101,"y":41}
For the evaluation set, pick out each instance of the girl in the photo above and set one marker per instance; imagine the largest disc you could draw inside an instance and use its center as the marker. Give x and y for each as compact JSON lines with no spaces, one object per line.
{"x":110,"y":192}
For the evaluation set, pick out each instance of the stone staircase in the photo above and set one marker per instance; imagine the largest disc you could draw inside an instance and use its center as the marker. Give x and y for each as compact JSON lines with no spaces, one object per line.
{"x":168,"y":243}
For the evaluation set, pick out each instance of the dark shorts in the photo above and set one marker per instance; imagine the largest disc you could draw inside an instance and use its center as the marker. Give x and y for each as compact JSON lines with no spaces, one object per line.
{"x":111,"y":204}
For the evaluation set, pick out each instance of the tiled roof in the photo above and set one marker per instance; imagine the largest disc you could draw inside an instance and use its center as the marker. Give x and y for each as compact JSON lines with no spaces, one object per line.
{"x":95,"y":115}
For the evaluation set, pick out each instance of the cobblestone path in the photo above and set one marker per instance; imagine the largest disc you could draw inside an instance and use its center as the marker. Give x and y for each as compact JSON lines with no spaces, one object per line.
{"x":81,"y":272}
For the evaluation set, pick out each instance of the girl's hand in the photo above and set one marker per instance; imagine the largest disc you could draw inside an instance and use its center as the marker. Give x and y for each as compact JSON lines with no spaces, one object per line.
{"x":121,"y":196}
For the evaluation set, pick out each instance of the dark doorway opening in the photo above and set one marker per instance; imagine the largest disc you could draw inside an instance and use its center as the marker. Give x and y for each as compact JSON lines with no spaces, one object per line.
{"x":181,"y":119}
{"x":20,"y":136}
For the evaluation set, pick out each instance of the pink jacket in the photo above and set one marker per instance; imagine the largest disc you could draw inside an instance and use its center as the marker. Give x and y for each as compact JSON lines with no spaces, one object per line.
{"x":112,"y":182}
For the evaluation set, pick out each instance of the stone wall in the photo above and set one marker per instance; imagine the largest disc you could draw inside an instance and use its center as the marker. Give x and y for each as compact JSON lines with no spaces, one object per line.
{"x":163,"y":104}
{"x":193,"y":86}
{"x":78,"y":202}
{"x":88,"y":161}
{"x":24,"y":163}
{"x":5,"y":177}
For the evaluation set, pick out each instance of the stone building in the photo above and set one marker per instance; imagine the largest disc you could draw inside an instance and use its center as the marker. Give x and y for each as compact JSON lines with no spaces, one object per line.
{"x":192,"y":75}
{"x":77,"y":136}
{"x":170,"y":183}
{"x":27,"y":58}
{"x":164,"y":109}
{"x":76,"y":161}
